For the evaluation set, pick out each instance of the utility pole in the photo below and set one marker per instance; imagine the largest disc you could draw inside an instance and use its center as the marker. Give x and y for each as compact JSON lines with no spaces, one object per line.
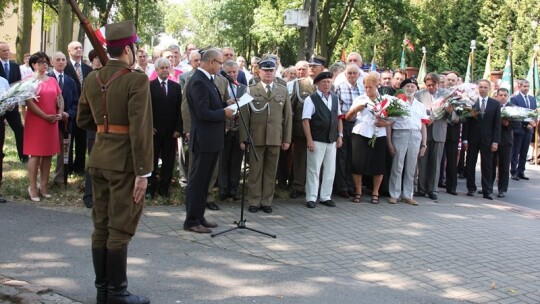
{"x":308,"y":34}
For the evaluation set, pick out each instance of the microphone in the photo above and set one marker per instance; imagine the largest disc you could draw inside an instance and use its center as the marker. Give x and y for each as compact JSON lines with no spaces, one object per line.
{"x":229,"y":78}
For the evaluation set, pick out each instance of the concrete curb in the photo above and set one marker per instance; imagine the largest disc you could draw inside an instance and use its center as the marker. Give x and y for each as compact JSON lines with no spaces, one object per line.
{"x":21,"y":292}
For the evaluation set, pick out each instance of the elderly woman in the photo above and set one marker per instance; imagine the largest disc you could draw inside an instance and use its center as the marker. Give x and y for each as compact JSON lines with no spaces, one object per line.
{"x":407,"y":142}
{"x":366,"y":159}
{"x":41,"y":139}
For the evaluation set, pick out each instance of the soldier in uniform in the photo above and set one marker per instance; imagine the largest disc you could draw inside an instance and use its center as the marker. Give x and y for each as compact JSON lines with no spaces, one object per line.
{"x":302,"y":88}
{"x":120,"y":161}
{"x":269,"y":119}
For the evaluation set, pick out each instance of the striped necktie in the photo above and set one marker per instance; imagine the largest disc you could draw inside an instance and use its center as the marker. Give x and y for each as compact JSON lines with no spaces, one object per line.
{"x":79,"y":73}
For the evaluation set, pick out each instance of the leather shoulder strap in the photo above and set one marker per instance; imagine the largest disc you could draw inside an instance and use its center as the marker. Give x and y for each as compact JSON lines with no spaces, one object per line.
{"x":104,"y":88}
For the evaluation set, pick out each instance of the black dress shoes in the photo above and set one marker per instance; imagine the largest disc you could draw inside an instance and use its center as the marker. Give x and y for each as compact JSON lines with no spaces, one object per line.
{"x":2,"y":200}
{"x":452,"y":192}
{"x":198,"y":229}
{"x":253,"y":209}
{"x":488,"y":196}
{"x":419,"y":194}
{"x":515,"y":177}
{"x":501,"y":194}
{"x":310,"y":204}
{"x":212,"y":206}
{"x":432,"y":195}
{"x":88,"y":203}
{"x":470,"y":193}
{"x":329,"y":203}
{"x":266,"y":209}
{"x":235,"y":197}
{"x":208,"y":224}
{"x":522,"y":176}
{"x":296,"y":194}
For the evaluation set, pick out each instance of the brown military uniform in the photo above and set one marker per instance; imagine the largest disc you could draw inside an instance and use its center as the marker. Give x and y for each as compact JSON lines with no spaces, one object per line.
{"x":269,"y":121}
{"x":301,"y":89}
{"x":221,"y":83}
{"x":118,"y":156}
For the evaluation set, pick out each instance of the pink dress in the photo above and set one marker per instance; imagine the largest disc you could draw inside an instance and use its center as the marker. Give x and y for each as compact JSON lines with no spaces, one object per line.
{"x":41,"y":138}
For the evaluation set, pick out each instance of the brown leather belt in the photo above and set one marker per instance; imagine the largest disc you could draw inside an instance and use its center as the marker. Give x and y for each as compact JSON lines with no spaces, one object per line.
{"x":113,"y":129}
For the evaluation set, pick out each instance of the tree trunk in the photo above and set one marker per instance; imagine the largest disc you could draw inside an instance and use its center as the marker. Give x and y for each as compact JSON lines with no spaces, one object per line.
{"x":65,"y":26}
{"x":24,"y":29}
{"x":324,"y":28}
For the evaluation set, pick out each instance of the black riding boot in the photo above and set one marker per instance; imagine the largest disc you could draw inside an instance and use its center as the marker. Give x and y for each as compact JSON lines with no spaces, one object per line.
{"x":99,"y":257}
{"x":118,"y":283}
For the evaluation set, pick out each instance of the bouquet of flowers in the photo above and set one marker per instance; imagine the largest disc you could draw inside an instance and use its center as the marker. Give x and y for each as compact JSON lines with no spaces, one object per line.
{"x":390,"y":107}
{"x":18,"y":93}
{"x":461,"y":97}
{"x":519,"y":114}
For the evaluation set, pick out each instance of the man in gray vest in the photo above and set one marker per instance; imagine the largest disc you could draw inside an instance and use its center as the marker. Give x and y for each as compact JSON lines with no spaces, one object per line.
{"x":321,"y":120}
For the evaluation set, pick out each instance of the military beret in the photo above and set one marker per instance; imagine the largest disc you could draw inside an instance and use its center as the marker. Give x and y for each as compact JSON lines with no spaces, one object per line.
{"x":121,"y":34}
{"x":407,"y":81}
{"x":317,"y":60}
{"x":321,"y":76}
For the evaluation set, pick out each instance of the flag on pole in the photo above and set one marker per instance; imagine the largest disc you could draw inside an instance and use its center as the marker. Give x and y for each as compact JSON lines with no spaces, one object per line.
{"x":423,"y":68}
{"x":487,"y":69}
{"x":507,"y":77}
{"x":469,"y":70}
{"x":532,"y":76}
{"x":402,"y":64}
{"x":373,"y":63}
{"x":409,"y":44}
{"x":343,"y":56}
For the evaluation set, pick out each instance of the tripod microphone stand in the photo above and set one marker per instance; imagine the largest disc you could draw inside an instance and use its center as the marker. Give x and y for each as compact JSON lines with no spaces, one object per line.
{"x":241,"y":224}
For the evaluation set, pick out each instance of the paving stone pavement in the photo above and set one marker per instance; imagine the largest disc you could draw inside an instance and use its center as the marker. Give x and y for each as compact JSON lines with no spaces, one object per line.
{"x":461,"y":248}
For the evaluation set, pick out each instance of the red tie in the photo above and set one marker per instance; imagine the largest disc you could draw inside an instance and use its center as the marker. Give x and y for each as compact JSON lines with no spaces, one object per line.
{"x":163,"y":88}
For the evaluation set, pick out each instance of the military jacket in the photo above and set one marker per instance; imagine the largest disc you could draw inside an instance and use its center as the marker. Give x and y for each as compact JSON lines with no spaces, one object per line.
{"x":302,"y":88}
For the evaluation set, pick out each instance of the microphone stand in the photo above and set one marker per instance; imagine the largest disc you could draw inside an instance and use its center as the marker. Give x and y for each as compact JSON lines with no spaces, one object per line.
{"x":241,"y":224}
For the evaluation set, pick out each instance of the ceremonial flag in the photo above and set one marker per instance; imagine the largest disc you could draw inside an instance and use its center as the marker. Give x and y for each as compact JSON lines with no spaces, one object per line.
{"x":507,"y":78}
{"x":487,"y":69}
{"x":402,"y":64}
{"x":373,"y":64}
{"x":423,"y":68}
{"x":469,"y":70}
{"x":532,"y":76}
{"x":343,"y":56}
{"x":409,"y":44}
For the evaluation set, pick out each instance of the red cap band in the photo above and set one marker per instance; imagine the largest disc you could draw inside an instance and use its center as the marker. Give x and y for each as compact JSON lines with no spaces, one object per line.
{"x":123,"y":42}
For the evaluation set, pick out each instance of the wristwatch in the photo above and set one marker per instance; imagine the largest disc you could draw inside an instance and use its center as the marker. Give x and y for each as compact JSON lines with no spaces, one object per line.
{"x":423,"y":146}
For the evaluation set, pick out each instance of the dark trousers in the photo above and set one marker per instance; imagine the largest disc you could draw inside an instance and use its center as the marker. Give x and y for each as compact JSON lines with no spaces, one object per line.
{"x":343,"y":179}
{"x":299,"y":163}
{"x":501,"y":161}
{"x":230,"y":164}
{"x":87,"y":197}
{"x":13,"y":118}
{"x":284,"y":173}
{"x":486,"y":161}
{"x":200,"y":174}
{"x":2,"y":140}
{"x":519,"y":152}
{"x":451,"y":150}
{"x":164,"y":148}
{"x":78,"y":158}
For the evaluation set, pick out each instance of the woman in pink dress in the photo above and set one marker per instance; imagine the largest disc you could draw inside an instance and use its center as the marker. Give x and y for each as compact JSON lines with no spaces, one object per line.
{"x":41,"y":137}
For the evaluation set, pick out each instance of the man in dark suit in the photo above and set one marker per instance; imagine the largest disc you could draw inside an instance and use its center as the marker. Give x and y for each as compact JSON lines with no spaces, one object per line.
{"x":71,"y":100}
{"x":166,"y":99}
{"x":12,"y":73}
{"x":453,"y":134}
{"x":522,"y":135}
{"x":231,"y":157}
{"x":77,"y":70}
{"x":504,"y":152}
{"x":206,"y":137}
{"x":482,"y":133}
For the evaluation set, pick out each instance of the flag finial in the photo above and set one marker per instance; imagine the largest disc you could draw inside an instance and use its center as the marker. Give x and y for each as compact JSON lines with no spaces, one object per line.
{"x":424,"y":50}
{"x":473,"y":45}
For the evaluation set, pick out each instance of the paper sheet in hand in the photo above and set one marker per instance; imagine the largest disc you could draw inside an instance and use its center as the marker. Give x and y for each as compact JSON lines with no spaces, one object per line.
{"x":244,"y":100}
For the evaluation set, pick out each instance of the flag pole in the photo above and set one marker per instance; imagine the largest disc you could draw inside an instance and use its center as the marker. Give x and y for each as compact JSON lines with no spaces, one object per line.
{"x":509,"y":39}
{"x":473,"y":47}
{"x":535,"y":74}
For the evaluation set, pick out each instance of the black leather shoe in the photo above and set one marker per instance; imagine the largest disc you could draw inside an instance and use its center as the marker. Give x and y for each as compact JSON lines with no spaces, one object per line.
{"x":253,"y":209}
{"x":419,"y":194}
{"x":2,"y":200}
{"x":442,"y":185}
{"x":470,"y":193}
{"x":522,"y":176}
{"x":296,"y":194}
{"x":235,"y":197}
{"x":329,"y":203}
{"x":208,"y":224}
{"x":452,"y":192}
{"x":432,"y":195}
{"x":88,"y":203}
{"x":488,"y":196}
{"x":461,"y":176}
{"x":515,"y":177}
{"x":266,"y":209}
{"x":310,"y":204}
{"x":501,"y":194}
{"x":212,"y":206}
